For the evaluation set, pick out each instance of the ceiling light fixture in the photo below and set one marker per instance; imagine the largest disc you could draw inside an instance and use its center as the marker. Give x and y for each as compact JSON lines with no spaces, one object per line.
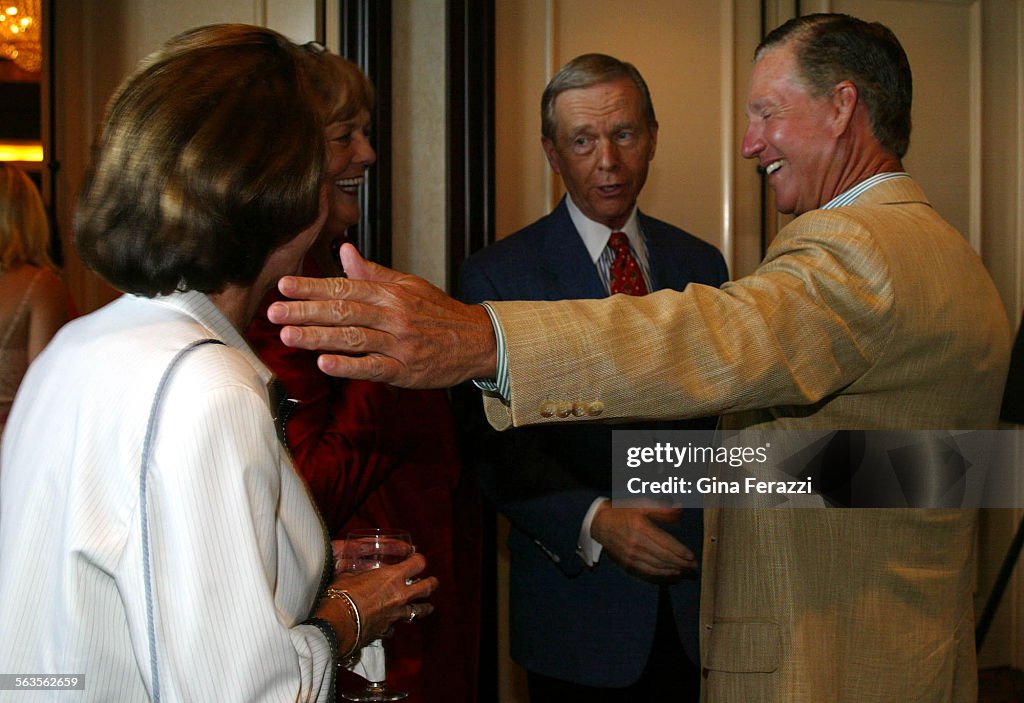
{"x":20,"y":33}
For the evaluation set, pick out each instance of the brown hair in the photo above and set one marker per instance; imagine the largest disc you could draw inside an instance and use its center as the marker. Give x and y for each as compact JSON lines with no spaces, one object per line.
{"x":210,"y":157}
{"x":830,"y":48}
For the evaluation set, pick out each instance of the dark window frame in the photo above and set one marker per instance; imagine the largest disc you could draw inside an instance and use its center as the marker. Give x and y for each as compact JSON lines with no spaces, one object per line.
{"x":365,"y":38}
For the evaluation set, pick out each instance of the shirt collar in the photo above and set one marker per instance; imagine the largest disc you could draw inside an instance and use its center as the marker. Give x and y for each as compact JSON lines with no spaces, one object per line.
{"x":595,"y":235}
{"x":200,"y":308}
{"x":849,"y":196}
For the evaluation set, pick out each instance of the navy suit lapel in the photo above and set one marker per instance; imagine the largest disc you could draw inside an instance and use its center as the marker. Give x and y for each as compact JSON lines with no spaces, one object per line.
{"x":567,"y":269}
{"x":667,"y":268}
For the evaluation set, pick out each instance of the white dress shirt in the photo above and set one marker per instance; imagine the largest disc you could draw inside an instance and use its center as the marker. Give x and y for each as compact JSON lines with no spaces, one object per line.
{"x":595,"y":238}
{"x":237,"y":548}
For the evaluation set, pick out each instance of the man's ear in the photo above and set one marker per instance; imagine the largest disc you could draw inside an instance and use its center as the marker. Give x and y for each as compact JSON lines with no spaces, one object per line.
{"x":551,"y":151}
{"x":844,"y":102}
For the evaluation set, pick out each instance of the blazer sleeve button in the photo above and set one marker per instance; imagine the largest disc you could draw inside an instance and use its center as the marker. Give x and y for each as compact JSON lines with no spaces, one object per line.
{"x":547,"y":409}
{"x":595,"y":408}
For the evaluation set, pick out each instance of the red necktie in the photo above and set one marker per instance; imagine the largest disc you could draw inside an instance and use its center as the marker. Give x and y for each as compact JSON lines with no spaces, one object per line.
{"x":626,"y":276}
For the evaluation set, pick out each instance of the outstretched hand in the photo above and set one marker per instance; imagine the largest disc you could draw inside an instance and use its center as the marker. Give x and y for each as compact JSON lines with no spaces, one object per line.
{"x":383,"y":325}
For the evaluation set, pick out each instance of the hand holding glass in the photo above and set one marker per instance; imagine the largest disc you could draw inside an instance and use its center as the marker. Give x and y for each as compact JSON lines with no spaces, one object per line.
{"x":370,"y":549}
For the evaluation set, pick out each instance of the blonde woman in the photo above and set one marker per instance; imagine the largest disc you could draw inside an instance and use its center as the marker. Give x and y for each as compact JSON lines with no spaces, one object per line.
{"x":33,"y":299}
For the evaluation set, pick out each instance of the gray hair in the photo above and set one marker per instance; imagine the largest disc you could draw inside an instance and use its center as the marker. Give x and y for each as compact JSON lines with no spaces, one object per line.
{"x":582,"y":72}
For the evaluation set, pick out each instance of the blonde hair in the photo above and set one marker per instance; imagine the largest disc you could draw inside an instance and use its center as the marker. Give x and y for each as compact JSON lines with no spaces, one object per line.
{"x":24,"y":227}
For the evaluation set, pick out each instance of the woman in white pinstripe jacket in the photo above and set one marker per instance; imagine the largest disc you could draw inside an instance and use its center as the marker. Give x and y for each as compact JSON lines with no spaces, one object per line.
{"x":168,"y":549}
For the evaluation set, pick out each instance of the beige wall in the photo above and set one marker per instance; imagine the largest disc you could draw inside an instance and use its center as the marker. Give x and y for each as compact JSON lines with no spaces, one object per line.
{"x":418,"y":139}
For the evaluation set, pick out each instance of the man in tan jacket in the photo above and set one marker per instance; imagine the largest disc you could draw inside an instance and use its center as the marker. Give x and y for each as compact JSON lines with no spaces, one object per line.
{"x":868,"y":312}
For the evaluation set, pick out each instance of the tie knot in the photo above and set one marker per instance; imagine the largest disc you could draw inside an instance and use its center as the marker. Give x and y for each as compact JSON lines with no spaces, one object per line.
{"x":618,"y":240}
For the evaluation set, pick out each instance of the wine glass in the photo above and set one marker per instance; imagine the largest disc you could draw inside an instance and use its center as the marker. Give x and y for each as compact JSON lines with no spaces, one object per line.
{"x":368,"y":549}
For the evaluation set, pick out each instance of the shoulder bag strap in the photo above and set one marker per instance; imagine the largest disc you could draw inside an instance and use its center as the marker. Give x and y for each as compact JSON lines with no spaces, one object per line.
{"x":144,"y":510}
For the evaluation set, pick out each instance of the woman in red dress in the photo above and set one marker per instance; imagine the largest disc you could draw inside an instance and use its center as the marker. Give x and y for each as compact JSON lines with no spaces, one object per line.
{"x":378,"y":456}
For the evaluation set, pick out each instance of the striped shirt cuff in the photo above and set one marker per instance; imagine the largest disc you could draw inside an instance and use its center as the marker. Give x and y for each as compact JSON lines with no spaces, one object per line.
{"x":500,"y":383}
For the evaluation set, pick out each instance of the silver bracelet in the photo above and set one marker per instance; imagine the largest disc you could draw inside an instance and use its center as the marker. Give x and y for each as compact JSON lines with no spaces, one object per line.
{"x":353,"y":610}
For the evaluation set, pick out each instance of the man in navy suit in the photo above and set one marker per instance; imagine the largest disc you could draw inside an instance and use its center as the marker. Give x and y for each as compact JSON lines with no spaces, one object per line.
{"x":604,"y":600}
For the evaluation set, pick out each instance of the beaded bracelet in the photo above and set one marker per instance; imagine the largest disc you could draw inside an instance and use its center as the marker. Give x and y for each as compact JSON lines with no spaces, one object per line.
{"x":353,"y":611}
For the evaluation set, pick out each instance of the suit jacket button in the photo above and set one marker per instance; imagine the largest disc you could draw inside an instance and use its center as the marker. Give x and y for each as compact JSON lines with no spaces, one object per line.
{"x":547,"y":409}
{"x":564,"y":410}
{"x":595,"y":408}
{"x":580,"y":409}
